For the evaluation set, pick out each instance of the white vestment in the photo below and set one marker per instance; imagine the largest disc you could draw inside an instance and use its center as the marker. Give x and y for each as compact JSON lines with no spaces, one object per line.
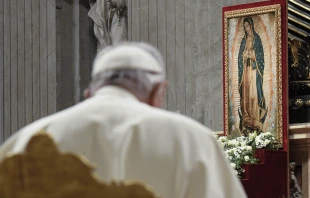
{"x":129,"y":140}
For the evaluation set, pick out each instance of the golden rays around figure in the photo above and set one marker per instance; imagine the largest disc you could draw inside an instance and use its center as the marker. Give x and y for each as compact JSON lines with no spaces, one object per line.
{"x":42,"y":171}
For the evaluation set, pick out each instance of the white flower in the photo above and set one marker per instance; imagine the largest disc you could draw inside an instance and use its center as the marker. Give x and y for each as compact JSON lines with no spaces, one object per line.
{"x":222,"y":139}
{"x":249,"y":148}
{"x":267,"y":141}
{"x":258,"y":138}
{"x":233,"y":142}
{"x":243,"y":144}
{"x":236,"y":172}
{"x":231,"y":151}
{"x":267,"y":133}
{"x":222,"y":144}
{"x":233,"y":165}
{"x":252,"y":136}
{"x":241,"y":139}
{"x":246,"y":158}
{"x":237,"y":152}
{"x":260,"y":144}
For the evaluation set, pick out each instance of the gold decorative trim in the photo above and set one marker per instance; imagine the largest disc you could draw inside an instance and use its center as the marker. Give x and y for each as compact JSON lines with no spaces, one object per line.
{"x":299,"y":4}
{"x":42,"y":171}
{"x":299,"y":22}
{"x":299,"y":102}
{"x":247,"y":12}
{"x":300,"y":81}
{"x":300,"y":14}
{"x":292,"y":37}
{"x":297,"y":31}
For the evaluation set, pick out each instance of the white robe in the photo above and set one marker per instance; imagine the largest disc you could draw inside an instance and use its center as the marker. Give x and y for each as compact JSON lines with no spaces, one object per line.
{"x":129,"y":140}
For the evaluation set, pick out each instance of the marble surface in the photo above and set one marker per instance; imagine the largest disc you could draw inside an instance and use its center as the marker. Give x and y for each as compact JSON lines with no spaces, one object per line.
{"x":27,"y":63}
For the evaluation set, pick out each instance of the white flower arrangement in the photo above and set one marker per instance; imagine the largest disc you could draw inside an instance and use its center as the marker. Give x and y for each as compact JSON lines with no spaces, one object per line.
{"x":266,"y":141}
{"x":241,"y":150}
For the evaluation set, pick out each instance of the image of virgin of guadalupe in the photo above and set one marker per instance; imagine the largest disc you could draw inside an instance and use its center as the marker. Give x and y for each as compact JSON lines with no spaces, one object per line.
{"x":251,"y":63}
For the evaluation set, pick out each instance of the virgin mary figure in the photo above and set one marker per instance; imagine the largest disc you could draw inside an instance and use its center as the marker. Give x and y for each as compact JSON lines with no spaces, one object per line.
{"x":251,"y":65}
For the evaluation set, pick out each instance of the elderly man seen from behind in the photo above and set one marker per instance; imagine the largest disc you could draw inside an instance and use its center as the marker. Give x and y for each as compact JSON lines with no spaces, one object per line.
{"x":121,"y":130}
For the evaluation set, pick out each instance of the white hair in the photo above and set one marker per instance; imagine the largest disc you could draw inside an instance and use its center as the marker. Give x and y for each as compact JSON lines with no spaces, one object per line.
{"x":138,"y":82}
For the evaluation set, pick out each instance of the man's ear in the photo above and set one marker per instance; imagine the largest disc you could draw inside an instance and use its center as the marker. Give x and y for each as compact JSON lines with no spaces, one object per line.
{"x":157,"y":97}
{"x":86,"y":93}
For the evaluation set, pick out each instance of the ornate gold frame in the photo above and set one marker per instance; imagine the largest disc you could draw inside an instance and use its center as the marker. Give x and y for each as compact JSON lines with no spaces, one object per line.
{"x":247,"y":12}
{"x":43,"y":171}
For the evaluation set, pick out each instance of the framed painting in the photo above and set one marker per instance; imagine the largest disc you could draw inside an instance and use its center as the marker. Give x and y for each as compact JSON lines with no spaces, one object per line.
{"x":254,"y":69}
